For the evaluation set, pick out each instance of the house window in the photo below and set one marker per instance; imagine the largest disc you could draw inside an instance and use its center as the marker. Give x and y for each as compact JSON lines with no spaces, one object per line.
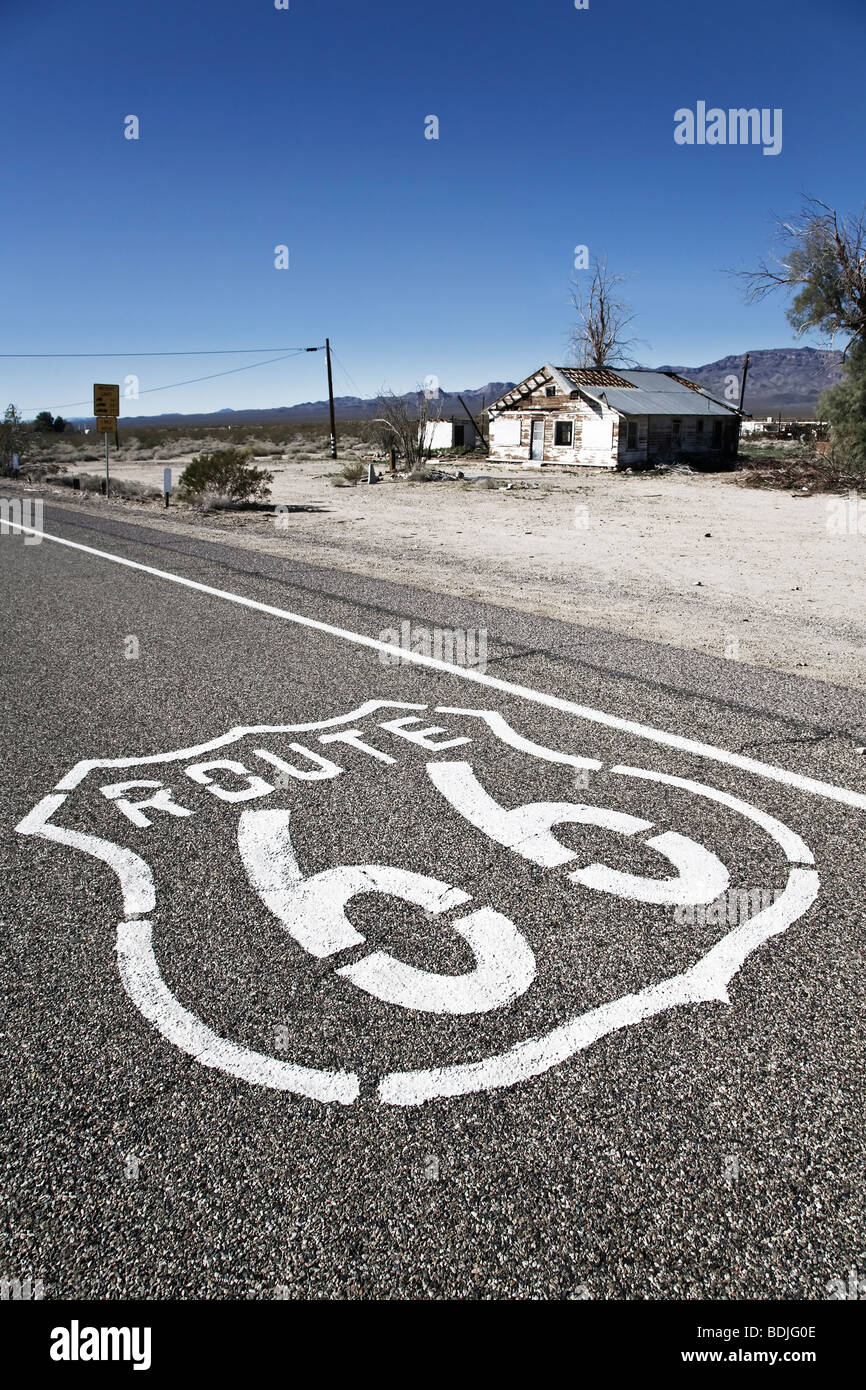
{"x":550,"y":390}
{"x":563,"y":433}
{"x":631,"y":435}
{"x":459,"y":436}
{"x":699,"y":425}
{"x":717,"y":434}
{"x":505,"y":433}
{"x":676,"y":433}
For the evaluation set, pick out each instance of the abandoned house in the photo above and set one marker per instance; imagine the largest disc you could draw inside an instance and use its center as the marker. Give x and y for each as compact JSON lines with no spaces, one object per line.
{"x":455,"y":433}
{"x":599,"y":418}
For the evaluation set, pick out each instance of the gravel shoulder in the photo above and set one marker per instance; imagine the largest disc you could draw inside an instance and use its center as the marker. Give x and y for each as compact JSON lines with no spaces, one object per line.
{"x":693,"y":561}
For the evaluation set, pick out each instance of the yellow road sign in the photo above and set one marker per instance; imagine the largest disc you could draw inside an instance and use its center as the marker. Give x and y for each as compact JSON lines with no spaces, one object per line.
{"x":106,"y":424}
{"x":106,"y":399}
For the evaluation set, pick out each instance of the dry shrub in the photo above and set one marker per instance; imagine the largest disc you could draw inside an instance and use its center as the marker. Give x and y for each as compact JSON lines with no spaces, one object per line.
{"x":353,"y":470}
{"x":225,"y":473}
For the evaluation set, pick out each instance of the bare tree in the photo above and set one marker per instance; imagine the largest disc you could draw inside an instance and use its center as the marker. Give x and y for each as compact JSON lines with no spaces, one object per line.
{"x":599,"y":339}
{"x":402,"y":427}
{"x":821,"y":257}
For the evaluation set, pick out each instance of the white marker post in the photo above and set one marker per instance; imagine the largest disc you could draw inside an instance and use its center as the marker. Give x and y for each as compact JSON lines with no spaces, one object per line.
{"x":166,"y":483}
{"x":14,"y":463}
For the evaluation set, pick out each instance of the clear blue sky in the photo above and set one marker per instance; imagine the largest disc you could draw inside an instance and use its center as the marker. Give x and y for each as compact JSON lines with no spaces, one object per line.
{"x":453,"y":257}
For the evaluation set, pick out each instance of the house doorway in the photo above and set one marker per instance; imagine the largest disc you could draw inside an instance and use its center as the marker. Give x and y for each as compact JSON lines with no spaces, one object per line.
{"x":536,"y":442}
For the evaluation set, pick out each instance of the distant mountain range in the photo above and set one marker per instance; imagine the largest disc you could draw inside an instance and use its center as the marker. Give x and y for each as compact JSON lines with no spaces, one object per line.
{"x":445,"y":403}
{"x":780,"y":380}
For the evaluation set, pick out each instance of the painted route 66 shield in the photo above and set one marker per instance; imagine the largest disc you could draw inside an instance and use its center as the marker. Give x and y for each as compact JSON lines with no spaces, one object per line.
{"x":364,"y":906}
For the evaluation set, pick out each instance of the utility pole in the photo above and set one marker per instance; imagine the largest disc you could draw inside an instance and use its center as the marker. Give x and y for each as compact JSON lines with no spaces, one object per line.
{"x":331,"y":400}
{"x":743,"y":382}
{"x":477,"y":427}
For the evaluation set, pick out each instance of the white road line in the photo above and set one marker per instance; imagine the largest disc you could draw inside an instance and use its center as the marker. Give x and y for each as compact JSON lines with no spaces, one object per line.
{"x":610,"y":721}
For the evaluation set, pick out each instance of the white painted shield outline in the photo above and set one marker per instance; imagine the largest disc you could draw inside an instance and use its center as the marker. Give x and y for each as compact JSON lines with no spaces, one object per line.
{"x":706,"y":981}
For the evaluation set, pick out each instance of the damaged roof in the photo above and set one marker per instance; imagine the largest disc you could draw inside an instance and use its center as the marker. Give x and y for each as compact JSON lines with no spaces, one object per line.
{"x":591,"y":376}
{"x":628,"y":392}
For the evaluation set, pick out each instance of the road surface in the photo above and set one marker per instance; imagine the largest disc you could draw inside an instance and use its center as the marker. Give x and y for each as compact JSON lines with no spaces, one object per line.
{"x":527,"y":963}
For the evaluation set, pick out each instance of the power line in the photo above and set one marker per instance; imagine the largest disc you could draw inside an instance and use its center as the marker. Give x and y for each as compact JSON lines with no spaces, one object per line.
{"x":345,"y":372}
{"x":232,"y":371}
{"x":205,"y":352}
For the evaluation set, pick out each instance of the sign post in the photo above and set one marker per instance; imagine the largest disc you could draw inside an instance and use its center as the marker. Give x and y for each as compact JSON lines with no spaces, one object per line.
{"x":166,"y":483}
{"x":106,"y":408}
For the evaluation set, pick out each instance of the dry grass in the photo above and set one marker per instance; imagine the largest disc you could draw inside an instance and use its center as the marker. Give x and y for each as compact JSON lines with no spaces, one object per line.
{"x":280,"y":444}
{"x":352,"y":472}
{"x":121,"y":489}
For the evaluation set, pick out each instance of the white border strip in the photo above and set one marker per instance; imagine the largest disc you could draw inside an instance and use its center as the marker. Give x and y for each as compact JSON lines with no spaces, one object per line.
{"x":594,"y":716}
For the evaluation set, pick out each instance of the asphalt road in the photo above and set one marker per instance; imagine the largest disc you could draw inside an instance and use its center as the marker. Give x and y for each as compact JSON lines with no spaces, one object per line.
{"x":328,"y":1015}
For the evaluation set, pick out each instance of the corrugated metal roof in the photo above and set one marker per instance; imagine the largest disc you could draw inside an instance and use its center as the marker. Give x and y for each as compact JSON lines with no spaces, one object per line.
{"x":637,"y":401}
{"x":644,"y":392}
{"x":656,"y":393}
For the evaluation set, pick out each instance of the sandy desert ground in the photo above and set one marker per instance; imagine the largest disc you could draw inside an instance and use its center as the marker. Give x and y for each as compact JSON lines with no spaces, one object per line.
{"x":696,"y":561}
